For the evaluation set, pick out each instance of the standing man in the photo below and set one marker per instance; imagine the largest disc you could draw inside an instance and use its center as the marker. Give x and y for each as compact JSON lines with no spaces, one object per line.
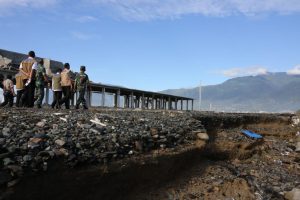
{"x":66,"y":85}
{"x":40,"y":80}
{"x":56,"y":88}
{"x":81,"y":83}
{"x":19,"y":88}
{"x":8,"y":92}
{"x":28,"y":68}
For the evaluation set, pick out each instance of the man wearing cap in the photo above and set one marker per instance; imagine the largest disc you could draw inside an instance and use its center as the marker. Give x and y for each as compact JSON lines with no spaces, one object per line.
{"x":66,"y":85}
{"x":81,"y":83}
{"x":28,"y":68}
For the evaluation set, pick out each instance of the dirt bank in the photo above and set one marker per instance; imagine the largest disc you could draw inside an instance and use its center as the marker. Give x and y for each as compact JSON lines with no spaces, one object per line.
{"x":228,"y":166}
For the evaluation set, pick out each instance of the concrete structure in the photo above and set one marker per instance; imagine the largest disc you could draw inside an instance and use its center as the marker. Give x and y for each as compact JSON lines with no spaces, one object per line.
{"x":132,"y":98}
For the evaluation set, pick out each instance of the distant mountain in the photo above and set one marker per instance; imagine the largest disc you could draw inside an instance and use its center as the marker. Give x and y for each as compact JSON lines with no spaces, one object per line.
{"x":273,"y":92}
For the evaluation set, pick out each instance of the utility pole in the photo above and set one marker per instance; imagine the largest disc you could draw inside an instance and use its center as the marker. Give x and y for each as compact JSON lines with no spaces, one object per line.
{"x":200,"y":95}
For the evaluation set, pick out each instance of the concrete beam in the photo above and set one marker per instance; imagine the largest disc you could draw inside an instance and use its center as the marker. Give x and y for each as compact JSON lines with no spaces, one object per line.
{"x":103,"y":97}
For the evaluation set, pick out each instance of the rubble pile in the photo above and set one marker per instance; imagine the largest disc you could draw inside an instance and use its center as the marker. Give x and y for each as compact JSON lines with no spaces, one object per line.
{"x":30,"y":138}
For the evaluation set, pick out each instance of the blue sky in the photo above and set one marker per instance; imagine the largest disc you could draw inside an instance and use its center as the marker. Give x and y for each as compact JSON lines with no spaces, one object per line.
{"x":158,"y":44}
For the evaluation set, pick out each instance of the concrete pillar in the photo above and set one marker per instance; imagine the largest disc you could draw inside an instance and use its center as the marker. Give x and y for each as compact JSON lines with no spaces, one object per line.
{"x":103,"y":97}
{"x":148,"y":102}
{"x":187,"y":104}
{"x":128,"y":101}
{"x":137,"y":99}
{"x":170,"y":103}
{"x":181,"y":102}
{"x":117,"y":99}
{"x":193,"y":104}
{"x":143,"y":101}
{"x":176,"y":102}
{"x":125,"y":101}
{"x":131,"y":100}
{"x":152,"y":103}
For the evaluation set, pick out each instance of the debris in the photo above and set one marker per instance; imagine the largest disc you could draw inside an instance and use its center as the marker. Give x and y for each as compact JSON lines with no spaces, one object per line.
{"x":98,"y":123}
{"x":63,"y":119}
{"x":295,"y":121}
{"x":251,"y":134}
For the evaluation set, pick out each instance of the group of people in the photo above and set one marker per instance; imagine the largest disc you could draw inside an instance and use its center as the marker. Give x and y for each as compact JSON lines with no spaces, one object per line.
{"x":32,"y":80}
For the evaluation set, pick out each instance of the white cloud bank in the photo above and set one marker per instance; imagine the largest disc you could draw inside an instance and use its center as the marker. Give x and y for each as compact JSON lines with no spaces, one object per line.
{"x":26,"y":3}
{"x":294,"y":71}
{"x":248,"y":71}
{"x":8,"y":7}
{"x":143,"y":10}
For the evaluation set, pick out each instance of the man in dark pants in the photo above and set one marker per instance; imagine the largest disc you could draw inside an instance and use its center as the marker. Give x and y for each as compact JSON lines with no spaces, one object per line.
{"x":40,"y":80}
{"x":81,"y":83}
{"x":19,"y":88}
{"x":56,"y":88}
{"x":66,"y":85}
{"x":28,"y":68}
{"x":8,"y":92}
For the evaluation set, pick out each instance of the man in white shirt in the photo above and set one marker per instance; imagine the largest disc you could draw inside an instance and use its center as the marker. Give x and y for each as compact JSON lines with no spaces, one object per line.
{"x":8,"y":92}
{"x":28,"y":68}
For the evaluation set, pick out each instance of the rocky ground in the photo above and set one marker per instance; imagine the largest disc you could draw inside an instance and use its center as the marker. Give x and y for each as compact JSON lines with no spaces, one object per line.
{"x":111,"y":154}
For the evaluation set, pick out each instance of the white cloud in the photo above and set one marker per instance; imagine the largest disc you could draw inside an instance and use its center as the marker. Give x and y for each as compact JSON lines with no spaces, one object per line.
{"x":143,"y":10}
{"x":294,"y":71}
{"x":26,"y":3}
{"x":86,"y":18}
{"x":80,"y":35}
{"x":248,"y":71}
{"x":8,"y":7}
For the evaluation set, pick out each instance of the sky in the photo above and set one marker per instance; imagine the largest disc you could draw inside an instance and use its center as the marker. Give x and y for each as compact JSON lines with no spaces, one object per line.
{"x":158,"y":44}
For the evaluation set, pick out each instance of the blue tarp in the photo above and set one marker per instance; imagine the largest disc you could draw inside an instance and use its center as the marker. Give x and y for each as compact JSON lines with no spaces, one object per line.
{"x":251,"y":134}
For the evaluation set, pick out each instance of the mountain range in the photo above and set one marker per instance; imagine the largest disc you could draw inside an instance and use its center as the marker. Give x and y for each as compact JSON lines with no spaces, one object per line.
{"x":272,"y":92}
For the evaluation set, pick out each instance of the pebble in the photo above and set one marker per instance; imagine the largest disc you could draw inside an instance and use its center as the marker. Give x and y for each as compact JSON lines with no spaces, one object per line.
{"x":293,"y":195}
{"x":203,"y":136}
{"x":6,"y":132}
{"x":60,"y":142}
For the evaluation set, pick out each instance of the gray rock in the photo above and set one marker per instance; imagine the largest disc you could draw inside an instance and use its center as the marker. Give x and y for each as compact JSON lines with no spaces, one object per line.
{"x":41,"y":124}
{"x":60,"y":142}
{"x":7,"y":161}
{"x":27,"y":158}
{"x":6,"y":132}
